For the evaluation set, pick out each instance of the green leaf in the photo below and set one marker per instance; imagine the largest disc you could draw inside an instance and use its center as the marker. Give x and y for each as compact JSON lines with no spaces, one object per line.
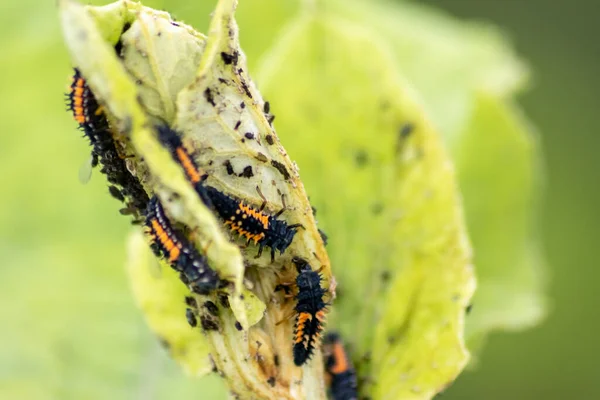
{"x":498,"y":166}
{"x":389,"y":201}
{"x":443,"y":58}
{"x":160,"y":295}
{"x":162,"y":58}
{"x":465,"y":75}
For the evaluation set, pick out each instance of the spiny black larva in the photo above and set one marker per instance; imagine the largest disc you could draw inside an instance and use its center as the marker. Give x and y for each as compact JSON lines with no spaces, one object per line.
{"x":340,"y":375}
{"x":88,"y":114}
{"x":310,"y":311}
{"x":254,"y":224}
{"x":93,"y":122}
{"x":171,"y":140}
{"x":179,"y":252}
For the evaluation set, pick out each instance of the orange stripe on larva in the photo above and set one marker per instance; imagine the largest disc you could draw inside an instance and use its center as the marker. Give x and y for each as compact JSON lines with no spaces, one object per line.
{"x":78,"y":115}
{"x":174,"y":254}
{"x":188,"y":165}
{"x":166,"y":241}
{"x":77,"y":101}
{"x":341,"y":362}
{"x":303,"y":317}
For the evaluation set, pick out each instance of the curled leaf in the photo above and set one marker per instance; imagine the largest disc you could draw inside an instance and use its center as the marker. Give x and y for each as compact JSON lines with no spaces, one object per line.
{"x":162,"y":56}
{"x":111,"y":83}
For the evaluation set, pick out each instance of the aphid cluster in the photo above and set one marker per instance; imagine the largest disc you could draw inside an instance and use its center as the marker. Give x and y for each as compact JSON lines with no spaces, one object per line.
{"x":190,"y":311}
{"x":208,"y":314}
{"x":252,"y":222}
{"x":265,"y":230}
{"x":166,"y":241}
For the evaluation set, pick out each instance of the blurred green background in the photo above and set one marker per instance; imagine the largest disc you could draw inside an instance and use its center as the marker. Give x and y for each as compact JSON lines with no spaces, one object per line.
{"x":70,"y":328}
{"x":558,"y":359}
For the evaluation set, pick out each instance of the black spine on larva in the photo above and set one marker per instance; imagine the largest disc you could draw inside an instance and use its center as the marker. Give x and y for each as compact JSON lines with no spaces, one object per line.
{"x":343,"y":385}
{"x":308,"y":300}
{"x":96,"y":128}
{"x":193,"y":267}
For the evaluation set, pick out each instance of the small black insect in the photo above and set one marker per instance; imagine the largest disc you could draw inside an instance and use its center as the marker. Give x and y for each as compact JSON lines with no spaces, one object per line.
{"x":310,"y":311}
{"x":224,"y":300}
{"x":190,"y":301}
{"x":211,"y":308}
{"x":191,"y":317}
{"x":324,"y":236}
{"x":406,"y":130}
{"x":230,"y":58}
{"x":180,"y":253}
{"x":255,"y":225}
{"x":208,"y":324}
{"x":340,"y":374}
{"x":116,"y":193}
